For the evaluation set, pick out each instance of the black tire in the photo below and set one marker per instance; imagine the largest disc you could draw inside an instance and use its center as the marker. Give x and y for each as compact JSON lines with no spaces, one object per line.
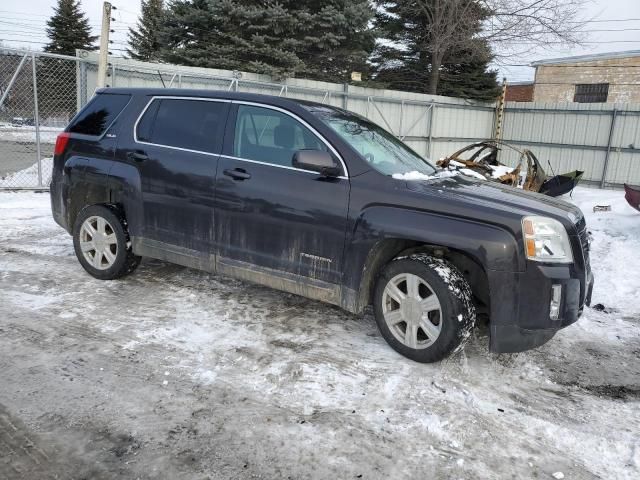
{"x":457,"y":312}
{"x":125,"y":261}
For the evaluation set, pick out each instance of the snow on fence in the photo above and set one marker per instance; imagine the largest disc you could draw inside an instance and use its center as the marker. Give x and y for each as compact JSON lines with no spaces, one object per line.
{"x":40,"y":92}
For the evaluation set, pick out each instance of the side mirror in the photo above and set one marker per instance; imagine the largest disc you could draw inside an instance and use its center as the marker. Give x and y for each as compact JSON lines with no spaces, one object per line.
{"x":317,"y":161}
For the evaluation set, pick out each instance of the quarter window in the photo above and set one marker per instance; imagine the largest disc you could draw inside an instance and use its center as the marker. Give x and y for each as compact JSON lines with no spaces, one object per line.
{"x":184,"y":123}
{"x":270,"y":136}
{"x":99,"y":114}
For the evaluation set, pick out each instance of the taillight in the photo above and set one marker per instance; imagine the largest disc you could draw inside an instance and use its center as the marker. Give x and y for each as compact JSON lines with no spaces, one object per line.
{"x":61,"y":143}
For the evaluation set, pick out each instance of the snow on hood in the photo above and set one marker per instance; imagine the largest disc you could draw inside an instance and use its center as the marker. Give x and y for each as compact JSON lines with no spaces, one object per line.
{"x":415,"y":175}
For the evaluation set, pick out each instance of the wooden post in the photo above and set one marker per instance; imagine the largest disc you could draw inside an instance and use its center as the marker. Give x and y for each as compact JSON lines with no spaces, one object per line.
{"x":104,"y":45}
{"x":497,"y":132}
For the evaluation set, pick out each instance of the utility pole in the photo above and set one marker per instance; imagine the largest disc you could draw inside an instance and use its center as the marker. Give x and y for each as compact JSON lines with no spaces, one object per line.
{"x":104,"y":45}
{"x":497,"y":132}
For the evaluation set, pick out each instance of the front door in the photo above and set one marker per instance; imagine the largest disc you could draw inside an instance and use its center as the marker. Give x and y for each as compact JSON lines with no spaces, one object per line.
{"x":271,"y":217}
{"x":176,"y":149}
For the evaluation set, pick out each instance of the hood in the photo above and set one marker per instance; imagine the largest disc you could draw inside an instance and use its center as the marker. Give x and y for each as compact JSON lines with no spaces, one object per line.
{"x":490,"y":199}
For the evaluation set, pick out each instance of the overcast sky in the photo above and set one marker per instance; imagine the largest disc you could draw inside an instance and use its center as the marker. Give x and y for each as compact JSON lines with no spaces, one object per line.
{"x":22,"y":24}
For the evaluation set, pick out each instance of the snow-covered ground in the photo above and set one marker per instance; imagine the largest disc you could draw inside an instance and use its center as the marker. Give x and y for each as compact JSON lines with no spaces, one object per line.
{"x":174,"y":373}
{"x":28,"y":177}
{"x":26,"y":133}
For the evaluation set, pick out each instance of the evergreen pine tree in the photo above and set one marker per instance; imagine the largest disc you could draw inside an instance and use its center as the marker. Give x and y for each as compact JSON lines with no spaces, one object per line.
{"x":323,"y":40}
{"x":144,"y":40}
{"x":404,"y":60}
{"x":466,"y":75}
{"x":68,"y":29}
{"x":335,"y":37}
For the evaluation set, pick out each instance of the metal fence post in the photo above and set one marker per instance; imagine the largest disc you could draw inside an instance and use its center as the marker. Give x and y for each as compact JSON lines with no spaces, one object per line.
{"x":36,"y":119}
{"x":82,"y":97}
{"x":345,"y":96}
{"x":431,"y":115}
{"x":614,"y":115}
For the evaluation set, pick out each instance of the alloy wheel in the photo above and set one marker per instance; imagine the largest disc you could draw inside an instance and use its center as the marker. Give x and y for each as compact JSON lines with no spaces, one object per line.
{"x":98,"y":242}
{"x":412,"y":311}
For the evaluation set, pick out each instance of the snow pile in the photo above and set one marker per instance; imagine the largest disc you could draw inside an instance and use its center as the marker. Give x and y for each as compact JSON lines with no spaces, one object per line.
{"x":615,"y":248}
{"x":499,"y":170}
{"x":29,"y":176}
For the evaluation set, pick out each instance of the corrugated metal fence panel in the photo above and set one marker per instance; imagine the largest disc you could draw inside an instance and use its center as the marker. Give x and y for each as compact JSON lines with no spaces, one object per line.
{"x":471,"y":122}
{"x":558,"y":159}
{"x":443,"y":148}
{"x":627,"y":131}
{"x":572,"y":136}
{"x":557,"y":123}
{"x":624,"y":167}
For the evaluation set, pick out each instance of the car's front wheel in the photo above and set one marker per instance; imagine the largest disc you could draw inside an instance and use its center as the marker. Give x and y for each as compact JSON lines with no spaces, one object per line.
{"x":423,"y":307}
{"x":102,"y":244}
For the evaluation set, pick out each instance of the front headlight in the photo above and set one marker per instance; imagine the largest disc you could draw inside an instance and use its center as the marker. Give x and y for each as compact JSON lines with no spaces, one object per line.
{"x":546,"y":240}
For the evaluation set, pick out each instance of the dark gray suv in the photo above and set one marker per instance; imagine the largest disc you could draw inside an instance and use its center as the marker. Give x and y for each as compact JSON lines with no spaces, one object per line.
{"x":320,"y":202}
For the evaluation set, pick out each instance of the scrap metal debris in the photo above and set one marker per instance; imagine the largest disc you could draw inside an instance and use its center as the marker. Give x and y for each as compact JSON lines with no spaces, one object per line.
{"x":632,"y":196}
{"x":601,"y":208}
{"x":482,"y":158}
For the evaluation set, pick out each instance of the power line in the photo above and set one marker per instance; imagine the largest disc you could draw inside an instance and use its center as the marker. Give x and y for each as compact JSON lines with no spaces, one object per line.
{"x":563,"y":65}
{"x":118,"y":8}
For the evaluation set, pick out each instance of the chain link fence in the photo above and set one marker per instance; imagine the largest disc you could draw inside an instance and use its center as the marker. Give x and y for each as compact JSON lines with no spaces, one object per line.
{"x":38,"y":97}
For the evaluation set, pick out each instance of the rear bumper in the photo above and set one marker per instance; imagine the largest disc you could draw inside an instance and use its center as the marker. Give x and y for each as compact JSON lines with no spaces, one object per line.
{"x":520,"y":304}
{"x":58,"y":209}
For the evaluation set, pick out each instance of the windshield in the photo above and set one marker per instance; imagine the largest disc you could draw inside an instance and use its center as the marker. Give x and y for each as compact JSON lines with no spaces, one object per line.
{"x":379,"y":148}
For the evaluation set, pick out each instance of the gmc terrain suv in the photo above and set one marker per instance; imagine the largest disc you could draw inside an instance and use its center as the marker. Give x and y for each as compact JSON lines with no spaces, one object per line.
{"x":317,"y":201}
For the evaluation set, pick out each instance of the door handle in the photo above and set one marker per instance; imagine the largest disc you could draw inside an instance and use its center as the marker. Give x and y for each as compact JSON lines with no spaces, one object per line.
{"x":237,"y":174}
{"x":138,"y":156}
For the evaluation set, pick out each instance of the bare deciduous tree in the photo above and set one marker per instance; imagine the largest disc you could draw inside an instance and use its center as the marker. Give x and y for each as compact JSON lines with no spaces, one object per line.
{"x":517,"y":27}
{"x":510,"y":27}
{"x":449,"y":27}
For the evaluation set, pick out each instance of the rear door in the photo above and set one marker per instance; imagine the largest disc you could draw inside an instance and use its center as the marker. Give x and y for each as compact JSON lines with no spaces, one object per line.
{"x":271,"y":215}
{"x":176,"y":147}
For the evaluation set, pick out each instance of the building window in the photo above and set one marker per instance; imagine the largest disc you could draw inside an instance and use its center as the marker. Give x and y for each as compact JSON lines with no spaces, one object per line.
{"x":591,"y":93}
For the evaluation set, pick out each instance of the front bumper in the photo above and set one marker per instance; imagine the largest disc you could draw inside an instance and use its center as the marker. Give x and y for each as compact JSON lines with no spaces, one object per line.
{"x":520,"y":304}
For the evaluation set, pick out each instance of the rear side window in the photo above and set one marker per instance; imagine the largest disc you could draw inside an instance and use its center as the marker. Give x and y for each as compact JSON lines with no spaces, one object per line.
{"x":184,"y":123}
{"x":99,"y":114}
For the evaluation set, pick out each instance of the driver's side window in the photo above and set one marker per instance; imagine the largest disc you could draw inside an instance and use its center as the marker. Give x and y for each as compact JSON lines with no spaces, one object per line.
{"x":270,"y":136}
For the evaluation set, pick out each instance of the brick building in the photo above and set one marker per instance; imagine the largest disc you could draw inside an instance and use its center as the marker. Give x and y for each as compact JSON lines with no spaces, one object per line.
{"x":519,"y":92}
{"x":605,"y":77}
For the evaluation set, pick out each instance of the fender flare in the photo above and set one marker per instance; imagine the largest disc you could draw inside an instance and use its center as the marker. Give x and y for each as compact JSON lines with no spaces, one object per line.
{"x":125,"y":185}
{"x":87,"y":183}
{"x":384,"y":228}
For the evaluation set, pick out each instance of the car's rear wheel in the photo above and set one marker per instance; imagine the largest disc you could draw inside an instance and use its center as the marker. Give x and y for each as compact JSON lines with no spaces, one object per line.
{"x":102,"y":244}
{"x":423,"y":307}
